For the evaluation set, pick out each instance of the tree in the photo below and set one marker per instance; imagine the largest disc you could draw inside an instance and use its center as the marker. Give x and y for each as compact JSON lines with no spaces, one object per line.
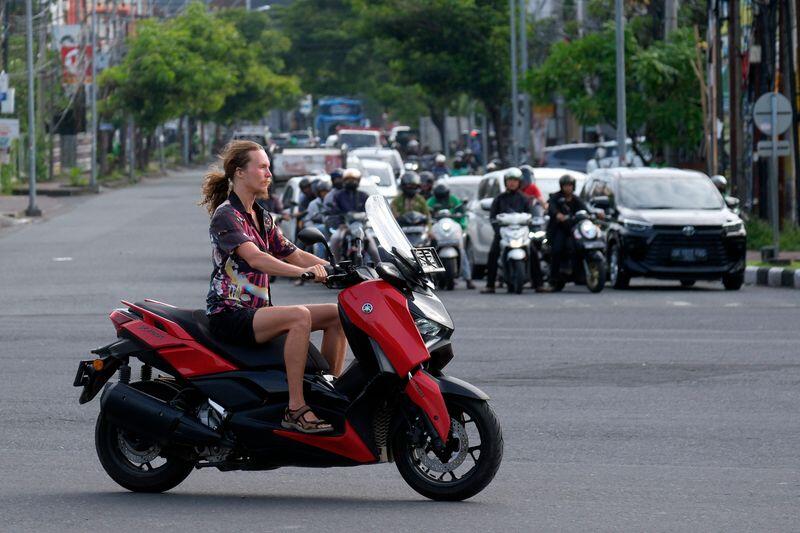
{"x":663,"y":95}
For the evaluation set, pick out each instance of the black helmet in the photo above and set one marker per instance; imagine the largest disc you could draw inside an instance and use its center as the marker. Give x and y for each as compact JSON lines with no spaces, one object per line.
{"x":566,"y":179}
{"x":337,"y":178}
{"x":305,"y":182}
{"x":338,"y":173}
{"x":427,"y":178}
{"x":410,"y":180}
{"x":441,"y":192}
{"x":320,"y":185}
{"x":720,"y":183}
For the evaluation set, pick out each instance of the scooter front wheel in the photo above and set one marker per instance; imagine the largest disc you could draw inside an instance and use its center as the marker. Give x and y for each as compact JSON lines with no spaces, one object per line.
{"x":471,"y":458}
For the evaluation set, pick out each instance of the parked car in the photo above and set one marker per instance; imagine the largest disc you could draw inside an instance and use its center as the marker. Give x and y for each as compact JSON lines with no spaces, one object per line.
{"x":387,"y":155}
{"x":569,"y":156}
{"x":610,"y":159}
{"x":667,"y":224}
{"x":479,"y":231}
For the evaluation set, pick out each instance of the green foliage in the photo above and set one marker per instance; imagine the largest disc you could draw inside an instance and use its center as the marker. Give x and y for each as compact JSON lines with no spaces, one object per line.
{"x":663,"y":94}
{"x":759,"y":234}
{"x":199,"y":64}
{"x":76,"y":177}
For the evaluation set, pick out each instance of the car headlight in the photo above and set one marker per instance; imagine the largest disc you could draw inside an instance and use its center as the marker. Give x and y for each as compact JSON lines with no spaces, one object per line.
{"x":733,"y":227}
{"x":588,"y":230}
{"x":429,"y":330}
{"x":636,"y":225}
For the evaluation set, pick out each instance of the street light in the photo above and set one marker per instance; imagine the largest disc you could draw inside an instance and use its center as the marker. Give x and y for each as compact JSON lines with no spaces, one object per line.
{"x":32,"y":210}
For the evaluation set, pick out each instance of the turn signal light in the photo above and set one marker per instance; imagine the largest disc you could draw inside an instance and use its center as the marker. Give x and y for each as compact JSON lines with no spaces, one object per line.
{"x":97,"y":364}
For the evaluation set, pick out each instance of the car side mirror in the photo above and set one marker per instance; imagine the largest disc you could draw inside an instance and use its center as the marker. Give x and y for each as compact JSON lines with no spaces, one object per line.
{"x":312,"y":235}
{"x":486,"y":204}
{"x":731,"y":202}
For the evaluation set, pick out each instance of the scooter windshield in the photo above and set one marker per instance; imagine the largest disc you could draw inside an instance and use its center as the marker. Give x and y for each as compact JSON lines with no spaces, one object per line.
{"x":388,"y":232}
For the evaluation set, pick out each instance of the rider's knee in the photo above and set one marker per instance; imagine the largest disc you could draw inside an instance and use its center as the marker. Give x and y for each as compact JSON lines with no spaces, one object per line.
{"x":301,"y":318}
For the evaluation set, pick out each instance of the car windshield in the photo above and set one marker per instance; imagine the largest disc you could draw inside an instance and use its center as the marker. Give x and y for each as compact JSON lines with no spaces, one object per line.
{"x":389,"y":234}
{"x":463,"y":191}
{"x":358,"y":140}
{"x":383,"y":172}
{"x":668,"y":193}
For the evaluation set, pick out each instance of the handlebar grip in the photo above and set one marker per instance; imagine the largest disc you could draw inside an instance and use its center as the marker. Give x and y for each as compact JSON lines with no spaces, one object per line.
{"x":307,"y":276}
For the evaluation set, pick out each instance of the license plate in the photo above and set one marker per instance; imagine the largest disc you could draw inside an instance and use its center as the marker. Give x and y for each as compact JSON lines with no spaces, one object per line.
{"x":689,"y":255}
{"x":428,"y":260}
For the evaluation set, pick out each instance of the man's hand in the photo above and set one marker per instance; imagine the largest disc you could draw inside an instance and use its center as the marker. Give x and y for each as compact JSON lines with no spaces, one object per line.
{"x":320,"y":274}
{"x":561,"y":217}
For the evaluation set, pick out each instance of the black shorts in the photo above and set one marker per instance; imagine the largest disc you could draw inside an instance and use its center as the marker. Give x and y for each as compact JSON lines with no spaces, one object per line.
{"x":234,"y":326}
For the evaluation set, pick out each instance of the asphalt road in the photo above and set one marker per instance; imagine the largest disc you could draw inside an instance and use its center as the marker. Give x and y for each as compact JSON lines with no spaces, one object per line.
{"x":656,"y":408}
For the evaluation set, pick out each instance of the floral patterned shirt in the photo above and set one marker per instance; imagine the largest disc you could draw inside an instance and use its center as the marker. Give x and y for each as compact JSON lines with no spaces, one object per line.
{"x":234,"y":283}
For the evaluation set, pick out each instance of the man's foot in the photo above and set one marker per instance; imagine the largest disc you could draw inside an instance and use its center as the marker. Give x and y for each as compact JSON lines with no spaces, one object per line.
{"x":470,"y":285}
{"x":304,"y":421}
{"x":487,"y":290}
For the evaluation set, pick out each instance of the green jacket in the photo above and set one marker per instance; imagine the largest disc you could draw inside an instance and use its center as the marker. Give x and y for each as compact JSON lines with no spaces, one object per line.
{"x":455,"y":206}
{"x":417,"y":203}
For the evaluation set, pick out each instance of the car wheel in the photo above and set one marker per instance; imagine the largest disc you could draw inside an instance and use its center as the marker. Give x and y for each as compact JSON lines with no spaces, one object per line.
{"x":733,"y":282}
{"x":686,"y":283}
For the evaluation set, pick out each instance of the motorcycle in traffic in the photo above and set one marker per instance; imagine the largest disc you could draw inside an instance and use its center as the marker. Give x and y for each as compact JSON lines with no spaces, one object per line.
{"x":584,"y":262}
{"x":446,"y":237}
{"x":415,"y":227}
{"x":199,"y":402}
{"x":515,"y":242}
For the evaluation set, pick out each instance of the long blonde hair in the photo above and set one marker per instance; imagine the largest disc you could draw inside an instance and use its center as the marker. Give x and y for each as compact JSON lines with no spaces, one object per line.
{"x":218,"y":182}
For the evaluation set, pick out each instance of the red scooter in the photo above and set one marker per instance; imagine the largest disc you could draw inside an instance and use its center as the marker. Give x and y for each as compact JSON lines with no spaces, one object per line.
{"x":219,"y":405}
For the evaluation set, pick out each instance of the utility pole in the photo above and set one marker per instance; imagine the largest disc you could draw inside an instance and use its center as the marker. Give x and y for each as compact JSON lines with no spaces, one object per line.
{"x":622,"y":126}
{"x":93,"y":174}
{"x":670,"y":25}
{"x":514,"y":95}
{"x":738,"y":187}
{"x":32,"y":210}
{"x":523,"y":60}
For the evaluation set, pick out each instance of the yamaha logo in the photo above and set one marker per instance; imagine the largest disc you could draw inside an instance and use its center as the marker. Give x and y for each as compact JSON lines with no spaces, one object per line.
{"x":367,"y":308}
{"x":689,"y":231}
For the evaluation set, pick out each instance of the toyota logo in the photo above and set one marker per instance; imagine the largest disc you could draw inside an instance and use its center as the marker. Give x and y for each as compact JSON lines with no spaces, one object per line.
{"x":688,"y":231}
{"x":366,"y":308}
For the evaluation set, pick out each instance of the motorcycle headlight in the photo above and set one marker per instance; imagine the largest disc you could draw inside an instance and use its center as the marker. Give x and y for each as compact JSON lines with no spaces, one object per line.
{"x":588,"y":230}
{"x":515,"y":243}
{"x":429,"y":330}
{"x":636,"y":225}
{"x":447,"y":226}
{"x":733,"y":227}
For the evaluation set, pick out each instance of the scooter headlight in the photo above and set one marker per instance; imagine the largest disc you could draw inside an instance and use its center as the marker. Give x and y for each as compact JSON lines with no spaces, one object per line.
{"x":588,"y":230}
{"x":429,"y":330}
{"x":447,"y":226}
{"x":515,"y":243}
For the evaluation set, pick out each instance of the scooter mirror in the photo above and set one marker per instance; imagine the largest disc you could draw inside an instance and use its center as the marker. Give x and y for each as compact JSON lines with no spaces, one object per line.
{"x":315,"y":236}
{"x":486,"y":204}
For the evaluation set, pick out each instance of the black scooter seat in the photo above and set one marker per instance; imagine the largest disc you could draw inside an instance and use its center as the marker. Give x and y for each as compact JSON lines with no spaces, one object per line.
{"x":264,"y":356}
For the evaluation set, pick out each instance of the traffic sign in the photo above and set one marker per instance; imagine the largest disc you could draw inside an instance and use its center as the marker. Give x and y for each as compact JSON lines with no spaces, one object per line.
{"x":782,"y":148}
{"x":762,"y":113}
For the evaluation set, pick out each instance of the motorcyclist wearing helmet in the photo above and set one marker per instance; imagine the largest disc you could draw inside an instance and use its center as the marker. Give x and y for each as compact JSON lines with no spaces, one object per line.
{"x":337,"y":181}
{"x":442,"y":199}
{"x":721,"y":183}
{"x":597,"y":161}
{"x":529,"y":187}
{"x":347,"y":200}
{"x":459,"y":166}
{"x":315,"y":214}
{"x":426,"y":181}
{"x":562,"y":204}
{"x":512,"y":200}
{"x":410,"y":199}
{"x":440,"y":166}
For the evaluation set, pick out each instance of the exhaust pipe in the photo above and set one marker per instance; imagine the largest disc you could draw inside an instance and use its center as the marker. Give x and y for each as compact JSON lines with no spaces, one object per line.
{"x":136,"y":411}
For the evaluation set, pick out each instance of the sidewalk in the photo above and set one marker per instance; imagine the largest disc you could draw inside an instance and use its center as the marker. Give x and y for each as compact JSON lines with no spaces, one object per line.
{"x":783,"y":277}
{"x":12,"y":208}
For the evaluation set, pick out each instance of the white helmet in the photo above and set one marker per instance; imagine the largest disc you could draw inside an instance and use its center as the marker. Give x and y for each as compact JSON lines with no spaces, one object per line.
{"x":440,"y":159}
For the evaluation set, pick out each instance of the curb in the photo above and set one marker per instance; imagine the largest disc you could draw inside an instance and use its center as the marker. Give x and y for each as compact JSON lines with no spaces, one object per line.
{"x":772,"y":277}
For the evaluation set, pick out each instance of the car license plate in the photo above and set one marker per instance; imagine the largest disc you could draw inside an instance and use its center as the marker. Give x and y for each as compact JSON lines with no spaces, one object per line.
{"x":689,"y":255}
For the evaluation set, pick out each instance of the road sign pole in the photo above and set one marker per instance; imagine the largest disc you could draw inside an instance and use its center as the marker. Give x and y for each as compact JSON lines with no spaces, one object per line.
{"x":93,"y":168}
{"x":773,"y":175}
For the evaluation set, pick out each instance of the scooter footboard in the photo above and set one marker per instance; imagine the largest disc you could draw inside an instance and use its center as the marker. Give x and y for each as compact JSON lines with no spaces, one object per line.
{"x":423,"y":390}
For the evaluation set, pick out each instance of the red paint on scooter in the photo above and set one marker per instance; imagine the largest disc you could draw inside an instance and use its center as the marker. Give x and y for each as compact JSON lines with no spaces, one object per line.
{"x":348,"y":444}
{"x":424,"y":392}
{"x":381,"y":311}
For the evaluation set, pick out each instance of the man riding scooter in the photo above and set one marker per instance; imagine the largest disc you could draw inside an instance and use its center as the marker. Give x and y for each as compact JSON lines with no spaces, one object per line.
{"x":562,"y":204}
{"x":346,"y":201}
{"x":512,"y":200}
{"x":442,"y":199}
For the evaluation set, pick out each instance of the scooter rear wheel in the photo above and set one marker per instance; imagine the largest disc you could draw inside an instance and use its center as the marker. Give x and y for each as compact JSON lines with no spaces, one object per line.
{"x":133,"y":461}
{"x":475,"y":449}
